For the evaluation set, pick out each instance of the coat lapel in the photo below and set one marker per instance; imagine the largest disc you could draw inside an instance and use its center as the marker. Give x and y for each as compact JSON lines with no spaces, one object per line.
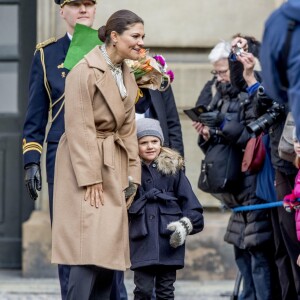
{"x":107,"y":86}
{"x":131,"y":88}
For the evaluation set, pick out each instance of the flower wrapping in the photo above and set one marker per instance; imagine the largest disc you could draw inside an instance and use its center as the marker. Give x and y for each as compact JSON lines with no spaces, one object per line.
{"x":151,"y":72}
{"x":168,"y":75}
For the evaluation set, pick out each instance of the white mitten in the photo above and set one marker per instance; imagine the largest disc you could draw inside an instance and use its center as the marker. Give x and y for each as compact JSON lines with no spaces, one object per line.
{"x":181,"y":229}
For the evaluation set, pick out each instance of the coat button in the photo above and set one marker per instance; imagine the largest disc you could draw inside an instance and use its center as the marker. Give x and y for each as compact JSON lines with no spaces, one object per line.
{"x":154,"y":165}
{"x":151,"y":217}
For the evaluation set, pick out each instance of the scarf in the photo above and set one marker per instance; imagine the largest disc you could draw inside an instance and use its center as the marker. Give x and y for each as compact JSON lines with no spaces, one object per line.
{"x":116,"y":71}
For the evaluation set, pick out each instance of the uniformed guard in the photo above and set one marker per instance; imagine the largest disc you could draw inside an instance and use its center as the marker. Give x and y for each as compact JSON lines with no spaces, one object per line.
{"x":46,"y":103}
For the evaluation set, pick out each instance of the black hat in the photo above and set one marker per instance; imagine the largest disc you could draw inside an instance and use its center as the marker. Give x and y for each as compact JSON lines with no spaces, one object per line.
{"x":63,"y":2}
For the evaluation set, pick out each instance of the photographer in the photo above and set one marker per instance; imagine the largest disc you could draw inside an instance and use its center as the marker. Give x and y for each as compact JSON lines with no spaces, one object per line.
{"x":229,"y":113}
{"x":285,"y":238}
{"x":271,"y":118}
{"x":281,"y":66}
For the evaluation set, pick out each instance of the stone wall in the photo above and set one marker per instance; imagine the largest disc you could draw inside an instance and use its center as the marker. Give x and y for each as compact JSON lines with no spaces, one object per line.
{"x":184,"y":32}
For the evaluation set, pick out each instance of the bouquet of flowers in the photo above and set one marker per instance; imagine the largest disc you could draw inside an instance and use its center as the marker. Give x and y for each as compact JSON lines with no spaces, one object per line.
{"x":151,"y":72}
{"x":168,"y":75}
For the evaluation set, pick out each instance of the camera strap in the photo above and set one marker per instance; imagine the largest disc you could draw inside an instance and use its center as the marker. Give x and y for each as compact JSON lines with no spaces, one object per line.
{"x":283,"y":55}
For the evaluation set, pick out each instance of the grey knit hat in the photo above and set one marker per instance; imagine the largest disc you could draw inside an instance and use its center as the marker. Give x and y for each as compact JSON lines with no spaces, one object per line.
{"x":147,"y":126}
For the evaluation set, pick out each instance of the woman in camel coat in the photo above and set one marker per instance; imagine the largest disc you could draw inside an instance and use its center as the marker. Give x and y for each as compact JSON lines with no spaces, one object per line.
{"x":97,"y":154}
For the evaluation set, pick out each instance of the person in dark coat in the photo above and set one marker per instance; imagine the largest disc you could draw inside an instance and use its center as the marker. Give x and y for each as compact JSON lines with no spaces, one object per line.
{"x":272,"y":56}
{"x":250,"y":232}
{"x":164,"y":212}
{"x":276,"y":51}
{"x":161,"y":105}
{"x":285,"y":238}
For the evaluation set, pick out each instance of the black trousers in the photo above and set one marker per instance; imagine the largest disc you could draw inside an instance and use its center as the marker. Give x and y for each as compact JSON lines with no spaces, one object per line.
{"x":89,"y":283}
{"x":287,"y":247}
{"x":160,"y":277}
{"x":63,"y":270}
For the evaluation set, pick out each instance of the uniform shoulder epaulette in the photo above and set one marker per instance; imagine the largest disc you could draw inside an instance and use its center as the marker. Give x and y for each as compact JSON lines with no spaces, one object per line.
{"x":45,"y":43}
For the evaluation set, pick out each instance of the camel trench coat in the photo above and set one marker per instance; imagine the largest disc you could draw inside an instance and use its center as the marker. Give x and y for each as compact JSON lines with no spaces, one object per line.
{"x":99,"y":145}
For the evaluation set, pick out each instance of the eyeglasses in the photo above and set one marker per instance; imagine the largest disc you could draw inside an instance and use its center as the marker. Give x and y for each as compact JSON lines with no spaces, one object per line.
{"x":220,"y":73}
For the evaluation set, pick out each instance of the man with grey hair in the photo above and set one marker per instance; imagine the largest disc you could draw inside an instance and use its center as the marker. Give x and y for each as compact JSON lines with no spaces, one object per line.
{"x":219,"y":60}
{"x":220,"y":51}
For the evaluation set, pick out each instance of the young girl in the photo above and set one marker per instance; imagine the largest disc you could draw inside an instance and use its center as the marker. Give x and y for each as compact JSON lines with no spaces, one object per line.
{"x":291,"y":201}
{"x":164,"y":212}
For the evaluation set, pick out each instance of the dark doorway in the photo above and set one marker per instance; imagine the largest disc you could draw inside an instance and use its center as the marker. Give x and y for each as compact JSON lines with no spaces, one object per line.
{"x":17,"y":44}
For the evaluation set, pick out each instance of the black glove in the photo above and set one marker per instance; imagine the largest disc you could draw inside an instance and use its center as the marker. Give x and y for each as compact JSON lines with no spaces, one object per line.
{"x":33,"y":179}
{"x":212,"y":119}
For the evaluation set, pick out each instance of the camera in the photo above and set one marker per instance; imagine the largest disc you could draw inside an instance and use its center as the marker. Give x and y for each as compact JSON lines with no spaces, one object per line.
{"x":238,"y":50}
{"x":272,"y":114}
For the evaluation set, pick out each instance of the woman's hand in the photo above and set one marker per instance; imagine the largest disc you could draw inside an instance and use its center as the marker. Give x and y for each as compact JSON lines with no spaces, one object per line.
{"x":248,"y":61}
{"x":94,"y":194}
{"x":202,"y":130}
{"x":239,"y":42}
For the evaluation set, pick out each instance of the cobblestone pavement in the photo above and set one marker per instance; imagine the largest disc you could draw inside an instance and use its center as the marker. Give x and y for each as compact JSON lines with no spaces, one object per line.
{"x":14,"y":287}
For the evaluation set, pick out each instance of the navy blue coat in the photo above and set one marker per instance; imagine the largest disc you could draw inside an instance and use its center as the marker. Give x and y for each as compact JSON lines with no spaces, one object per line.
{"x":273,"y":42}
{"x":160,"y":199}
{"x":162,"y":107}
{"x":47,"y":65}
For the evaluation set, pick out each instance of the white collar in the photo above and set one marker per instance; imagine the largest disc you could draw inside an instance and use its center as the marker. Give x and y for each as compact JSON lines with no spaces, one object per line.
{"x":70,"y":36}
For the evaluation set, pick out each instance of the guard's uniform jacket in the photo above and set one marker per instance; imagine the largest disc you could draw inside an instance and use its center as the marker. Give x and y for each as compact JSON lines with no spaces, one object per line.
{"x":46,"y":93}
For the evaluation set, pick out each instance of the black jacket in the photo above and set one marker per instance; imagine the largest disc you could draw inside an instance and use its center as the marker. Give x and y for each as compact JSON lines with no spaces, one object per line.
{"x":261,"y":105}
{"x":47,"y":61}
{"x":245,"y":229}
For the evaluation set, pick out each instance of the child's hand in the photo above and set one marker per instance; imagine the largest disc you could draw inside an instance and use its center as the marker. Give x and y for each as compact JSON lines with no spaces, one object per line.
{"x":298,"y":260}
{"x":130,"y":192}
{"x":181,"y":229}
{"x":289,"y":201}
{"x":296,"y":204}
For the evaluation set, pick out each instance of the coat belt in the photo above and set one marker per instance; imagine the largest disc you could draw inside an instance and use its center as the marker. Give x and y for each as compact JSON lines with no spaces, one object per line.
{"x":108,"y":145}
{"x":153,"y":195}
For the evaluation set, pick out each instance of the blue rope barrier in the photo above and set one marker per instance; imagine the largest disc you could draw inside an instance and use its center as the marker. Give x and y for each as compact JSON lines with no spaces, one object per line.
{"x":258,"y":206}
